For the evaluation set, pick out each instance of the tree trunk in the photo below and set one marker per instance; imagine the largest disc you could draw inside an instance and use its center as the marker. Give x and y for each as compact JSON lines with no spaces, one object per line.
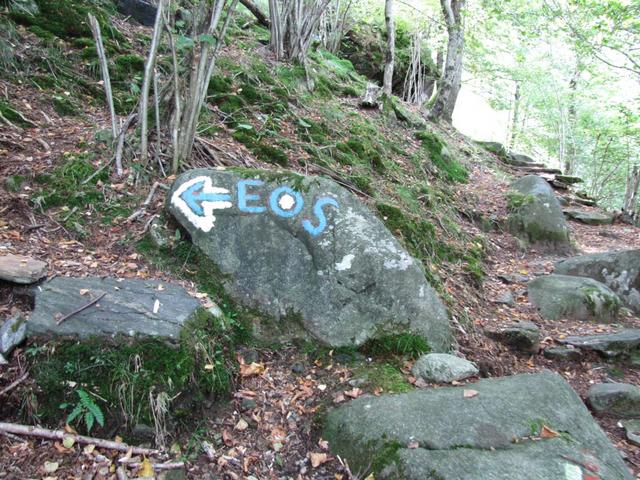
{"x":255,"y":10}
{"x":451,"y":80}
{"x":572,"y":150}
{"x":515,"y":119}
{"x":387,"y":84}
{"x":630,"y":206}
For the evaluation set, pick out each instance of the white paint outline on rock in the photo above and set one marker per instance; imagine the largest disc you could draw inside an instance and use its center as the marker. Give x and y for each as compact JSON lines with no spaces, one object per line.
{"x":206,"y":222}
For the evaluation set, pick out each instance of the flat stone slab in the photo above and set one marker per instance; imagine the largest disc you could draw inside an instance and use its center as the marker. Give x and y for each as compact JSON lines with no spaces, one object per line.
{"x":310,"y":255}
{"x":620,"y":271}
{"x":570,"y":179}
{"x":443,"y":434}
{"x":577,"y":298}
{"x":21,"y":269}
{"x":589,"y":218}
{"x":624,"y":342}
{"x":562,"y":353}
{"x":620,"y":399}
{"x":130,"y":307}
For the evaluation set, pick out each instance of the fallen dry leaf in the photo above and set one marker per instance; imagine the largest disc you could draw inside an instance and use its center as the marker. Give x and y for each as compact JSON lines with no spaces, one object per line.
{"x":546,"y":432}
{"x":470,"y":393}
{"x":252,"y":369}
{"x":241,"y":425}
{"x":146,"y":469}
{"x":355,"y":392}
{"x":317,"y":459}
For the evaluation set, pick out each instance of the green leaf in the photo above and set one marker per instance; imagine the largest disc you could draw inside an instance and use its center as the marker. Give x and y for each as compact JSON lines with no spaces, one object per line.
{"x":88,"y":420}
{"x":96,"y":412}
{"x":210,"y":39}
{"x":75,"y":413}
{"x":244,"y":126}
{"x":182,"y":42}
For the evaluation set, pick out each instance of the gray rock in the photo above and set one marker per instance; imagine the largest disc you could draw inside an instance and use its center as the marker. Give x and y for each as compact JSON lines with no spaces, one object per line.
{"x":130,"y":307}
{"x":306,"y":252}
{"x":562,"y":353}
{"x":494,"y":147}
{"x":248,"y":404}
{"x":521,"y":160}
{"x":621,"y":399}
{"x":3,"y":361}
{"x":216,"y":311}
{"x":460,"y":438}
{"x":12,"y":333}
{"x":515,"y":278}
{"x":506,"y":298}
{"x":142,"y":11}
{"x":590,"y":218}
{"x":21,"y":269}
{"x":521,"y":336}
{"x":620,"y":271}
{"x":569,"y":179}
{"x":610,"y":345}
{"x":535,"y":216}
{"x":297,"y":368}
{"x":160,"y":235}
{"x":577,"y":298}
{"x":443,"y":368}
{"x":632,"y":431}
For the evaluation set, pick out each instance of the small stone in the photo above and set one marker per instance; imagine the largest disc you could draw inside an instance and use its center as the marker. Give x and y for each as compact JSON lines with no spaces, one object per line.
{"x":621,"y":399}
{"x":505,"y":298}
{"x":250,"y":356}
{"x":21,"y":269}
{"x":143,"y":432}
{"x":522,"y":336}
{"x":216,"y":311}
{"x":248,"y":404}
{"x":515,"y":278}
{"x":358,"y":381}
{"x":443,"y":368}
{"x":12,"y":333}
{"x":159,"y":235}
{"x":562,"y":353}
{"x":297,"y":368}
{"x":632,"y":430}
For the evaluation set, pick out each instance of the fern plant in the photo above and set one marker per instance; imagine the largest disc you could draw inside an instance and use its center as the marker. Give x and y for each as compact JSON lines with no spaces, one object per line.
{"x":85,"y":410}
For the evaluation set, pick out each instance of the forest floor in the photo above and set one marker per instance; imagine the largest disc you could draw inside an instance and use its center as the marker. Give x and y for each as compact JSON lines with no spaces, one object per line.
{"x":268,"y":428}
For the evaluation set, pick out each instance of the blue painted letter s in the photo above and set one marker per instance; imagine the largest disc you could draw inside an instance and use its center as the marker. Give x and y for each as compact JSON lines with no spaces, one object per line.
{"x":322,"y":219}
{"x":244,"y":197}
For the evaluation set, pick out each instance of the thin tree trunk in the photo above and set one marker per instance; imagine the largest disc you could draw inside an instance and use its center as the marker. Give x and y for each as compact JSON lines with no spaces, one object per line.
{"x":451,"y":81}
{"x":572,"y":150}
{"x":146,"y":85}
{"x":515,"y":119}
{"x":630,"y":205}
{"x":255,"y":10}
{"x":387,"y":84}
{"x":104,"y":66}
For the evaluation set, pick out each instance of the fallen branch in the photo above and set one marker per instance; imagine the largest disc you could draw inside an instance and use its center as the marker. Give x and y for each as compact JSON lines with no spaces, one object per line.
{"x":61,"y":435}
{"x":81,"y":309}
{"x":156,"y":466}
{"x":141,"y":211}
{"x":14,"y":384}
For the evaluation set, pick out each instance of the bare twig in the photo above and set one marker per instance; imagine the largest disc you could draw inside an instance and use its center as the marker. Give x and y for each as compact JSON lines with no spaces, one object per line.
{"x":81,"y":309}
{"x":61,"y":435}
{"x":97,"y":35}
{"x":14,"y":384}
{"x":141,"y":211}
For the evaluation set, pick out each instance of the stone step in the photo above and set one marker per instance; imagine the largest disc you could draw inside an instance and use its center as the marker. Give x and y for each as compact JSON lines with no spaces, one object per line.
{"x":553,"y":171}
{"x":569,"y":179}
{"x":589,"y":218}
{"x":609,"y":345}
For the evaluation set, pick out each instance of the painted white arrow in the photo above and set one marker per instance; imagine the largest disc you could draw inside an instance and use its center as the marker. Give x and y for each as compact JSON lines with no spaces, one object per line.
{"x":198,"y":198}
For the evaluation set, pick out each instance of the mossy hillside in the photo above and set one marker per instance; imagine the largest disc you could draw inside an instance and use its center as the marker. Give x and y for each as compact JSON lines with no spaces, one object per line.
{"x":448,"y":167}
{"x":67,"y":190}
{"x":123,"y":373}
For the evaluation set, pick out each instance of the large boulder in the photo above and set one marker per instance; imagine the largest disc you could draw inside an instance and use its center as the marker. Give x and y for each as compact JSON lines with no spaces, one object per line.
{"x":578,"y":298}
{"x":143,"y":11}
{"x":535,"y":214}
{"x":459,"y":434}
{"x":620,"y":271}
{"x":308,"y":253}
{"x":128,"y":307}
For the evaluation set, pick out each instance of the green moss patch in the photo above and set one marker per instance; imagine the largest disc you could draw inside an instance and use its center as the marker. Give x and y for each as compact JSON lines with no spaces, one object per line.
{"x":450,"y":169}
